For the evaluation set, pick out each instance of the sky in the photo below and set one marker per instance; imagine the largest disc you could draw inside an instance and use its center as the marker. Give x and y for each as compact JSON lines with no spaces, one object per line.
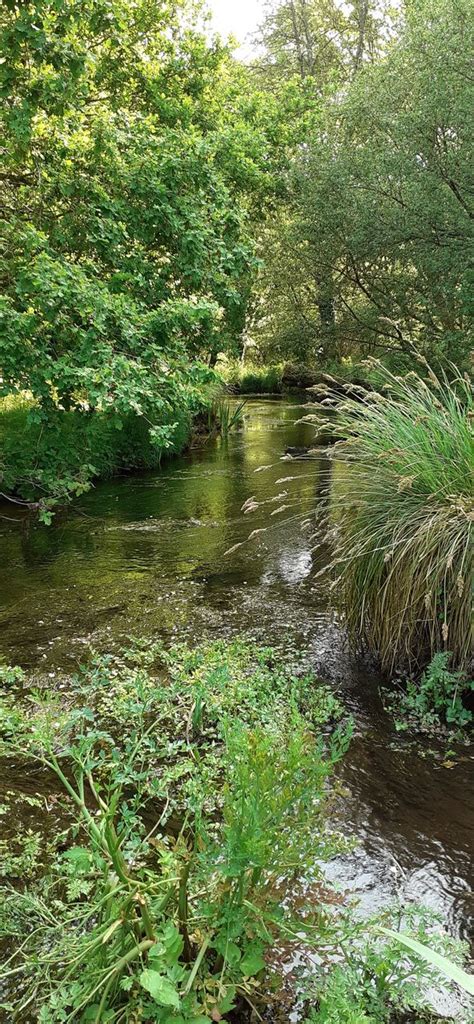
{"x":237,"y":17}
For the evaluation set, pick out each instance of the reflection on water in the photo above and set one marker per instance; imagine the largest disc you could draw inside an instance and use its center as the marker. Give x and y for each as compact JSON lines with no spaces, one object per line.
{"x":146,"y":555}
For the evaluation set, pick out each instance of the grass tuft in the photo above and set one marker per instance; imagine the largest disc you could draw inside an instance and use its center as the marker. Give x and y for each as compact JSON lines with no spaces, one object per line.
{"x":405,"y":510}
{"x":253,"y":379}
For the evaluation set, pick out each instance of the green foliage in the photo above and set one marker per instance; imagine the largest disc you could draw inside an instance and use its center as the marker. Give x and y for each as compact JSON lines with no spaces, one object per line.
{"x":376,"y":984}
{"x":371,"y":254}
{"x":252,"y":379}
{"x":131,"y":161}
{"x":434,"y":702}
{"x":404,"y":508}
{"x":223,"y":417}
{"x":187,"y":824}
{"x":195,"y":788}
{"x":52,"y":465}
{"x":432,"y":956}
{"x":11,"y":674}
{"x":20,"y":862}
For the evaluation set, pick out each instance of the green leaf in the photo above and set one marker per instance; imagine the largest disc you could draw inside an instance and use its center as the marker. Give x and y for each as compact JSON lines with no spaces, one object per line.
{"x":462,"y":978}
{"x":227,"y":1002}
{"x":228,"y":949}
{"x":252,"y":962}
{"x":162,"y":991}
{"x":79,"y":857}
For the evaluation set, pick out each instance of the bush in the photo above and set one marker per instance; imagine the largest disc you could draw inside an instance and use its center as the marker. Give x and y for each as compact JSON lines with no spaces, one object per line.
{"x":404,"y":506}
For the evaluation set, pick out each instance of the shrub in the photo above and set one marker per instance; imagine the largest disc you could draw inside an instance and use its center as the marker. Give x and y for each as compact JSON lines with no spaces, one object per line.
{"x":52,"y":463}
{"x":404,"y":507}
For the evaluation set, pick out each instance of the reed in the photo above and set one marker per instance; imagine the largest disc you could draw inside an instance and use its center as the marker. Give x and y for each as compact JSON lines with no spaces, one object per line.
{"x":224,"y":416}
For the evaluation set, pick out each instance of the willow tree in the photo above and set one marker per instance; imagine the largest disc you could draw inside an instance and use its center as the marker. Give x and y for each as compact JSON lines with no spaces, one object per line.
{"x":318,"y":47}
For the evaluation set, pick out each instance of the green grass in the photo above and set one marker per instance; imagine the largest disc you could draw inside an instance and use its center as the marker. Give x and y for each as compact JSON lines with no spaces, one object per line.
{"x":52,"y":463}
{"x":253,"y":379}
{"x":405,"y":508}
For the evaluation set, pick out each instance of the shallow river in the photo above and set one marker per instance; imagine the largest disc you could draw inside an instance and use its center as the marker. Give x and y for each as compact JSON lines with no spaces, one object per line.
{"x":146,"y":554}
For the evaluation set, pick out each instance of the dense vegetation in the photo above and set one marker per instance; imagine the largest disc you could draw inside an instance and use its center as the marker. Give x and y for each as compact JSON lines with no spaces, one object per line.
{"x":371,"y":254}
{"x":195,"y":786}
{"x":176,"y":225}
{"x":132,"y":161}
{"x":404,"y":549}
{"x":165,"y":204}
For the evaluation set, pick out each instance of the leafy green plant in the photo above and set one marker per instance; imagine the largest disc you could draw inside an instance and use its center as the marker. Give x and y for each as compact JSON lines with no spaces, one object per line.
{"x":432,"y":956}
{"x":194,"y":786}
{"x":11,"y":675}
{"x":404,"y":509}
{"x":186,"y":824}
{"x":376,"y":980}
{"x":20,"y":860}
{"x":434,"y":702}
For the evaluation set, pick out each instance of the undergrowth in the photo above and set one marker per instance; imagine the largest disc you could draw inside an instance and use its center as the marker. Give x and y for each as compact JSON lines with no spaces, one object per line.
{"x":50,"y":464}
{"x":252,"y":378}
{"x":196,"y":808}
{"x":434,"y":703}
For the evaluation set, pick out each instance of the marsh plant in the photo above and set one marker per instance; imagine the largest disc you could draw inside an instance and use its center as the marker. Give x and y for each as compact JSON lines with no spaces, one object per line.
{"x":436,"y":701}
{"x":405,"y":512}
{"x":225,"y":416}
{"x":254,"y":378}
{"x":194,"y":787}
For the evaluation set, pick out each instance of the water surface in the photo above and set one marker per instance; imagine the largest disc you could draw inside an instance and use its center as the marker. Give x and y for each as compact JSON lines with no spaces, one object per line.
{"x":145,"y":555}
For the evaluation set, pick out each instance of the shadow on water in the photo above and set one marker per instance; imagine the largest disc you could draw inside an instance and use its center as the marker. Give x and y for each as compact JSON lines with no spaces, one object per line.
{"x":145,"y":555}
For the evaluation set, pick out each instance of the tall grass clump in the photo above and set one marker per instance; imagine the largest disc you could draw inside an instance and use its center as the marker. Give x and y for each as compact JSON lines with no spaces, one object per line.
{"x":404,"y":512}
{"x":254,"y":379}
{"x":224,"y":417}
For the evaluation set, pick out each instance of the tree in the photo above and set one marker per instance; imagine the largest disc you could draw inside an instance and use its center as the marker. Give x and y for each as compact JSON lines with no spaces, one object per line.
{"x":129,"y":169}
{"x":384,"y":202}
{"x":317,"y":46}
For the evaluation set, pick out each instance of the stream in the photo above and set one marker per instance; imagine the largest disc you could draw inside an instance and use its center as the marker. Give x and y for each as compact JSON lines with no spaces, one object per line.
{"x":144,"y":555}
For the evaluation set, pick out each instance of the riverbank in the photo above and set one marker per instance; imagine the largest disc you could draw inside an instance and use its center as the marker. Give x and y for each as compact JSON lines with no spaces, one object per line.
{"x":47,"y":463}
{"x":209,"y":852}
{"x":144,"y":555}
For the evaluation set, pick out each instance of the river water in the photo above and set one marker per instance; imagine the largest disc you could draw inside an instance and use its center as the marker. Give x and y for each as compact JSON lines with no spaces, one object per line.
{"x":145,"y":555}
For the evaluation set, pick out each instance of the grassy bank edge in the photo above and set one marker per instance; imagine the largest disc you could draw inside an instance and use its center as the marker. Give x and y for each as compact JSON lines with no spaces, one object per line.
{"x":48,"y":465}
